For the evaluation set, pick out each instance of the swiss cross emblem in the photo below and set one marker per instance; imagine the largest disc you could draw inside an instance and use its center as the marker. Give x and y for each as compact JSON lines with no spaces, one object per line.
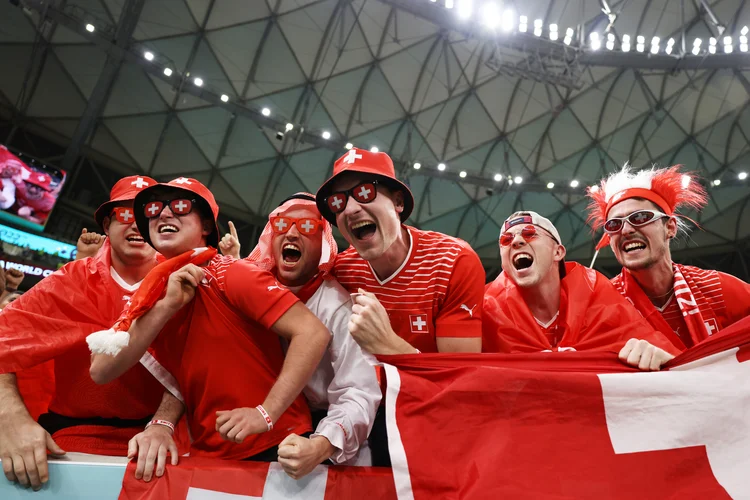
{"x":308,"y":226}
{"x":153,"y":208}
{"x":139,"y":183}
{"x":351,"y":156}
{"x":418,"y":323}
{"x":41,"y":178}
{"x":281,"y":225}
{"x":711,"y":325}
{"x":641,"y":218}
{"x":127,"y":215}
{"x":183,"y":180}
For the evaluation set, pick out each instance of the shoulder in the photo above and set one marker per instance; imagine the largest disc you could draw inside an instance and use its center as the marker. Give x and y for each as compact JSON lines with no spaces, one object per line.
{"x":224,"y":270}
{"x":330,"y":300}
{"x":435,"y":240}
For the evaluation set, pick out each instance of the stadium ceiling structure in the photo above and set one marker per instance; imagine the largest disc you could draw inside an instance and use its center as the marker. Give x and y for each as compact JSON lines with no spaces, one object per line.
{"x":486,"y":107}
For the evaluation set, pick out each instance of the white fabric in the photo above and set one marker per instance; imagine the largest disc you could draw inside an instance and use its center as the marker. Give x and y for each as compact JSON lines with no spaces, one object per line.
{"x":345,"y":380}
{"x":9,"y":194}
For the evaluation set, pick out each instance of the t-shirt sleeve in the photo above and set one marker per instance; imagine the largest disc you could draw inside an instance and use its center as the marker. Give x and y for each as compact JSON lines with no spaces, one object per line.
{"x":461,"y":312}
{"x":256,"y":293}
{"x":736,"y":294}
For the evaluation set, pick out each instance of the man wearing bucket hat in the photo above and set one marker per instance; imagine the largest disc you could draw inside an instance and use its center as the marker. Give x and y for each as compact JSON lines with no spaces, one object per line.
{"x":541,"y":303}
{"x":297,"y":246}
{"x":415,"y":290}
{"x":638,"y":211}
{"x":217,"y":354}
{"x":34,"y":197}
{"x":50,"y":322}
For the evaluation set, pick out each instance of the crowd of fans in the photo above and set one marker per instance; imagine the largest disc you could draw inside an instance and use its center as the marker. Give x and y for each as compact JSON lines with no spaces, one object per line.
{"x":274,"y":357}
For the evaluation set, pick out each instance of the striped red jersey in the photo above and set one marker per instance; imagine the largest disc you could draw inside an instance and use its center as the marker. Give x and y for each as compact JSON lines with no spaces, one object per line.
{"x":721,"y":298}
{"x":437,"y":292}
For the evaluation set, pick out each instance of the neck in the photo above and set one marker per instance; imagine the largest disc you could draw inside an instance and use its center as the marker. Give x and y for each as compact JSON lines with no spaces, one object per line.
{"x":656,"y":281}
{"x":132,"y":272}
{"x":387,"y":264}
{"x":543,"y":300}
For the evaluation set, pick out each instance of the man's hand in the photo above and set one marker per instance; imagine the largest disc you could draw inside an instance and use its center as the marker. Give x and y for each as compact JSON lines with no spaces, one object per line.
{"x":13,"y":278}
{"x":151,"y":447}
{"x":88,"y":244}
{"x":371,"y":328}
{"x":298,"y":455}
{"x":181,"y":286}
{"x":235,"y":425}
{"x":643,"y":355}
{"x":230,"y":243}
{"x":25,"y":212}
{"x":23,"y":450}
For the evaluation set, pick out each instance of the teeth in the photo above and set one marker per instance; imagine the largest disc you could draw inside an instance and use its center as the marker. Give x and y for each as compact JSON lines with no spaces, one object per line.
{"x":168,"y":228}
{"x":634,"y":244}
{"x":289,"y":246}
{"x":520,"y":256}
{"x":361,"y":224}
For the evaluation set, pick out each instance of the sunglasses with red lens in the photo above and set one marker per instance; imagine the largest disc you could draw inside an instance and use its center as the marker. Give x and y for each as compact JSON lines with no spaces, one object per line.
{"x":179,"y":206}
{"x":528,"y":233}
{"x":636,"y":219}
{"x":124,"y":215}
{"x":364,"y":192}
{"x":305,"y":225}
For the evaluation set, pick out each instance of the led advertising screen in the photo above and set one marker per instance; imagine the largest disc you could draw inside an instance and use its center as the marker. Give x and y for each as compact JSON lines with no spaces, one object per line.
{"x":29,"y":190}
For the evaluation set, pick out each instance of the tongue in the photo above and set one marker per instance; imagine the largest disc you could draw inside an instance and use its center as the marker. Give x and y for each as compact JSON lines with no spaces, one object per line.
{"x":291,"y":256}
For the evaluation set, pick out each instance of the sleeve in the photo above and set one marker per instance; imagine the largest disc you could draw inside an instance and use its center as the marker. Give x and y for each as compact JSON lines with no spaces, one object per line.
{"x":461,"y":312}
{"x":736,"y":297}
{"x":256,"y":293}
{"x":353,"y":394}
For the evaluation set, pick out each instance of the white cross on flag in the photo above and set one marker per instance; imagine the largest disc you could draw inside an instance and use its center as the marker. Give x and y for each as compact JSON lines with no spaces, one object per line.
{"x":351,"y":156}
{"x":139,"y":183}
{"x":183,"y":180}
{"x":127,"y":215}
{"x":572,"y":425}
{"x":418,"y":323}
{"x":213,"y":479}
{"x":281,"y":224}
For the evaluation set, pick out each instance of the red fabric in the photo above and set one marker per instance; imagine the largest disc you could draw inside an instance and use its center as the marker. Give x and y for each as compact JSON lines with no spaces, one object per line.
{"x":124,"y":190}
{"x":593,"y":315}
{"x":51,"y":321}
{"x":721,"y":300}
{"x":546,"y":426}
{"x":223,"y":356}
{"x":437,"y":293}
{"x":256,"y":480}
{"x":37,"y":386}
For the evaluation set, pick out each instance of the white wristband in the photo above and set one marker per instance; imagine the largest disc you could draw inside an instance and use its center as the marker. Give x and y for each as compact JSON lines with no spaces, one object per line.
{"x":265,"y":416}
{"x":165,"y":423}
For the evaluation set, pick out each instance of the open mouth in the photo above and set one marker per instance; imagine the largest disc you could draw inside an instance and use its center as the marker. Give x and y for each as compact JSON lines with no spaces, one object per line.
{"x":522,"y":261}
{"x":633,"y":246}
{"x":135,"y":239}
{"x":364,"y":229}
{"x":291,"y":254}
{"x":168,"y":228}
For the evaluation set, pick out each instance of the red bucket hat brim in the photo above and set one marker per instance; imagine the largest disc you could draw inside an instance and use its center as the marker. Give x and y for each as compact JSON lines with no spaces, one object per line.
{"x":125,"y":189}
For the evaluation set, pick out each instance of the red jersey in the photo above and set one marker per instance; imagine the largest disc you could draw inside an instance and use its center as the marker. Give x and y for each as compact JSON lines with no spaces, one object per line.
{"x":593,"y":316}
{"x":51,"y":322}
{"x":721,"y":300}
{"x":222,"y":355}
{"x":437,"y":292}
{"x":41,"y":206}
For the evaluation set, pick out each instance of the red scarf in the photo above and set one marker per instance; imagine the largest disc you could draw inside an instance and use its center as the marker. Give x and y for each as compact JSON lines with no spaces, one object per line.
{"x":689,"y":298}
{"x":593,"y":316}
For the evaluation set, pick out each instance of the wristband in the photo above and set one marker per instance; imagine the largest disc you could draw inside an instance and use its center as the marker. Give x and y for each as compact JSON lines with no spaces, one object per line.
{"x":165,"y":423}
{"x":265,"y":416}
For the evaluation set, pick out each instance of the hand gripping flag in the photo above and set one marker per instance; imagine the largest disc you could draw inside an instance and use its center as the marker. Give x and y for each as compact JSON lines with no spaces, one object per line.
{"x":154,"y":285}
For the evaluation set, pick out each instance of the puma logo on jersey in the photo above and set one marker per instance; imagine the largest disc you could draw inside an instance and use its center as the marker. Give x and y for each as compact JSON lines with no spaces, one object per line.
{"x":470,"y":311}
{"x":274,"y":287}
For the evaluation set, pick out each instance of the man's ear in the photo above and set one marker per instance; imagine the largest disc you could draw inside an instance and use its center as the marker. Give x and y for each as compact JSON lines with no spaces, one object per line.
{"x":105,"y":225}
{"x":560,"y":253}
{"x":398,"y":201}
{"x":671,"y":228}
{"x":208,"y":227}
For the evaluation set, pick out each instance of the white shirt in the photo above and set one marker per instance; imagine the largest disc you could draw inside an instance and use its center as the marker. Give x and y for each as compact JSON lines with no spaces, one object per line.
{"x":345,"y":380}
{"x":9,"y":194}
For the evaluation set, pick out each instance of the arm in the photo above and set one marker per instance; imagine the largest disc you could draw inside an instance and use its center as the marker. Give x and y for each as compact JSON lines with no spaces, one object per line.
{"x":230,"y":243}
{"x":371,"y":327}
{"x":23,"y":442}
{"x":459,"y":321}
{"x":88,"y":244}
{"x":180,"y":290}
{"x":151,"y":445}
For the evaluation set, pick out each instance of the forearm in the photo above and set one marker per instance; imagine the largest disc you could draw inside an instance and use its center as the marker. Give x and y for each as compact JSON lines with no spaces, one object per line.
{"x":11,"y":402}
{"x":143,"y":331}
{"x":304,"y":354}
{"x":170,"y":408}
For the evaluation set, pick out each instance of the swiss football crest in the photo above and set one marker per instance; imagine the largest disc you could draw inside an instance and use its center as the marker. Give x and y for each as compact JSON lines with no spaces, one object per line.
{"x":418,"y":323}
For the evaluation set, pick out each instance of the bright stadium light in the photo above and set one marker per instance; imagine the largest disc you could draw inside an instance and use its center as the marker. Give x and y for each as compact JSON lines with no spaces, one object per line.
{"x":538,"y":27}
{"x":90,"y":28}
{"x":349,"y":145}
{"x":717,"y":182}
{"x":742,"y":176}
{"x":553,"y":32}
{"x":198,"y":82}
{"x":523,"y":24}
{"x":462,"y":174}
{"x":574,"y":183}
{"x":594,"y":189}
{"x":167,"y":71}
{"x":550,"y":185}
{"x":506,"y":23}
{"x":727,"y":44}
{"x":498,"y":177}
{"x":464,"y":9}
{"x":641,"y":45}
{"x":670,"y":44}
{"x":149,"y":56}
{"x":289,"y":127}
{"x":744,"y":30}
{"x":685,"y":181}
{"x":374,"y":149}
{"x":441,"y":166}
{"x":712,"y":45}
{"x":610,"y":41}
{"x":568,"y":36}
{"x":448,"y":4}
{"x":490,"y":15}
{"x":326,"y":135}
{"x":655,"y":45}
{"x":417,"y":166}
{"x":224,"y":98}
{"x":625,"y":43}
{"x":265,"y":112}
{"x":697,"y":45}
{"x":595,"y":42}
{"x":518,"y":179}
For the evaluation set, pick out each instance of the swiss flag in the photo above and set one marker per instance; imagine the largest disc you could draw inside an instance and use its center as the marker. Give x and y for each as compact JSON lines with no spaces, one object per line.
{"x":572,"y":425}
{"x":213,"y":479}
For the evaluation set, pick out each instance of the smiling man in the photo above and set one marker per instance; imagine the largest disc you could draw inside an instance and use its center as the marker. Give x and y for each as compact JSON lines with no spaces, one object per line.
{"x":213,"y":336}
{"x":50,"y":323}
{"x":416,"y":290}
{"x":638,"y":213}
{"x":541,"y":303}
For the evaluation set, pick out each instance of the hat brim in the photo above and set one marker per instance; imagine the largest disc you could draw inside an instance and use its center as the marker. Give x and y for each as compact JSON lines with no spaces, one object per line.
{"x":327,"y":188}
{"x":141,"y":221}
{"x":106,"y":208}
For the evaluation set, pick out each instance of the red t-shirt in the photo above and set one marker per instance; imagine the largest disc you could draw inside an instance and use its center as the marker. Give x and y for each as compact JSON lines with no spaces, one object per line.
{"x":223,"y":356}
{"x":436,"y":293}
